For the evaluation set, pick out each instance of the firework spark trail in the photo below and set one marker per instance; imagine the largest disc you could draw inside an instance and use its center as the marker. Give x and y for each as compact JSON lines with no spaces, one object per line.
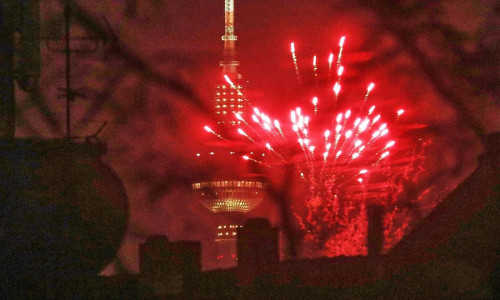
{"x":326,"y":154}
{"x":268,"y":146}
{"x":337,"y":86}
{"x":240,"y":118}
{"x":240,"y":93}
{"x":340,"y":133}
{"x":267,"y":127}
{"x":315,"y":69}
{"x":246,"y":157}
{"x":243,"y":133}
{"x":340,"y":70}
{"x":330,"y":61}
{"x":295,"y":63}
{"x":260,"y":134}
{"x":266,"y":132}
{"x":255,"y":119}
{"x":368,"y":90}
{"x":300,"y":127}
{"x":399,"y":113}
{"x":315,"y":103}
{"x":278,"y":127}
{"x":208,"y":129}
{"x":341,"y":45}
{"x":360,"y":146}
{"x":228,"y":80}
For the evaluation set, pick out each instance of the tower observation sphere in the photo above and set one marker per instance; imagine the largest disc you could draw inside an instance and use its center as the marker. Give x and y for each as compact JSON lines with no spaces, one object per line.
{"x":230,"y":195}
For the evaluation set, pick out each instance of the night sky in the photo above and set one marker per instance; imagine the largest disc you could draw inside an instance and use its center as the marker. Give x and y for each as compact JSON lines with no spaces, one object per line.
{"x":154,"y":79}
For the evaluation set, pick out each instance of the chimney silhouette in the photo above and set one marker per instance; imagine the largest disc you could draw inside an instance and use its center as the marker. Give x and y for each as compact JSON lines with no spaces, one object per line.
{"x":155,"y":256}
{"x":375,"y":230}
{"x":258,"y":245}
{"x":169,"y":267}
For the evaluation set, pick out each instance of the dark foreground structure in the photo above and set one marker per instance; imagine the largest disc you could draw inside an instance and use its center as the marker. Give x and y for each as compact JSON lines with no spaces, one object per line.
{"x":63,"y":214}
{"x":451,"y":254}
{"x":52,"y":250}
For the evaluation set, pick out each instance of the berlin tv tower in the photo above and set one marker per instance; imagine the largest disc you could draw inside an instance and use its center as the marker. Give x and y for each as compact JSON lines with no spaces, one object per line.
{"x":231,"y":190}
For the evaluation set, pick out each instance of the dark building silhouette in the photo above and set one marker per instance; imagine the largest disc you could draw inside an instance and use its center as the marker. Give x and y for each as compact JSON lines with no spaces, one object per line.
{"x":168,"y":268}
{"x":155,"y":256}
{"x":258,"y":245}
{"x":375,"y":214}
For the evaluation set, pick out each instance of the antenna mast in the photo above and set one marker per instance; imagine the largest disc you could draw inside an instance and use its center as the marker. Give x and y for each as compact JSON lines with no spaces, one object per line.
{"x":229,"y":63}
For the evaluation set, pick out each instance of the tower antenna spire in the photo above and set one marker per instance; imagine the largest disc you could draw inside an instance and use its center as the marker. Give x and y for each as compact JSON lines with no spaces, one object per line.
{"x":229,"y":63}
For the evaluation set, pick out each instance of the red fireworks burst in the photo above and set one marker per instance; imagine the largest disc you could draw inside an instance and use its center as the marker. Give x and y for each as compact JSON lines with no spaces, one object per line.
{"x":343,"y":161}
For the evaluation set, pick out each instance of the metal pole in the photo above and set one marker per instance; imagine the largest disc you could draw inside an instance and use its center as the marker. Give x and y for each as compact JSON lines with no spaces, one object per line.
{"x":67,"y":50}
{"x":7,"y":98}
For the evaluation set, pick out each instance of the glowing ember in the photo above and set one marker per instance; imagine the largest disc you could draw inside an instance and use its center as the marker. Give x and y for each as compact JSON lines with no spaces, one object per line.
{"x":238,"y":116}
{"x":341,"y":42}
{"x":330,"y":61}
{"x":340,"y":71}
{"x":315,"y":101}
{"x":336,"y":89}
{"x":370,"y":87}
{"x":315,"y":67}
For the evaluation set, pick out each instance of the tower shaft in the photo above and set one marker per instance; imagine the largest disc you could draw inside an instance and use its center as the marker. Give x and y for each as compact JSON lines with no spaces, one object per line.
{"x":229,"y":63}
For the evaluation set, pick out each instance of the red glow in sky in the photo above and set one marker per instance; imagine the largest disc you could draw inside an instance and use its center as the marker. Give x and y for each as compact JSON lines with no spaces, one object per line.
{"x":337,"y":188}
{"x":154,"y":79}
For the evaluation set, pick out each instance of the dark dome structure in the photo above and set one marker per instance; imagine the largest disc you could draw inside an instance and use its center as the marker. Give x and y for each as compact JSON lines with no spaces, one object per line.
{"x":63,"y":211}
